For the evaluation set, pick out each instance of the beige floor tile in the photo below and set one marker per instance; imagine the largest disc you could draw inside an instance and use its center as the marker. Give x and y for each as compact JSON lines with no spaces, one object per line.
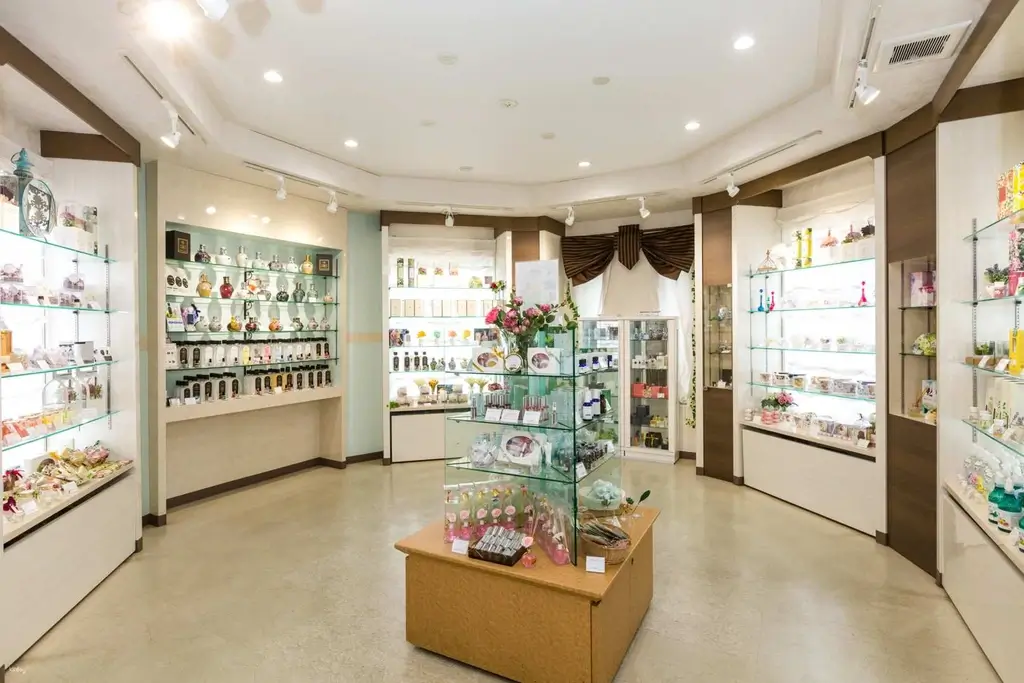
{"x":297,"y":581}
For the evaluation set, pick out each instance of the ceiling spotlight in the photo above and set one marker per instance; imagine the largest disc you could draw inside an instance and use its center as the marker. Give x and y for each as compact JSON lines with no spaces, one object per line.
{"x":282,"y":193}
{"x":449,"y":219}
{"x":169,"y":19}
{"x":210,"y":210}
{"x":332,"y":205}
{"x":865,"y":93}
{"x":743,"y":43}
{"x":571,"y":218}
{"x":732,"y":188}
{"x":272,"y":76}
{"x":692,"y":126}
{"x":214,"y":9}
{"x":584,"y":164}
{"x":174,"y":137}
{"x":351,"y":144}
{"x":644,"y":211}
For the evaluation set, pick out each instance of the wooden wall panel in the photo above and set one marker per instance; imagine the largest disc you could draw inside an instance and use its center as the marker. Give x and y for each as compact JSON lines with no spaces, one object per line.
{"x":718,"y":434}
{"x":911,"y":485}
{"x":910,"y":200}
{"x":716,"y":247}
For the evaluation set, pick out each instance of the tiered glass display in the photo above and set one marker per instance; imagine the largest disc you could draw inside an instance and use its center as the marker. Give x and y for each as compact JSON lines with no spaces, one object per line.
{"x":249,"y":316}
{"x":718,"y":336}
{"x":912,"y":287}
{"x":439,"y":292}
{"x":812,"y":344}
{"x":650,"y":345}
{"x":537,"y":448}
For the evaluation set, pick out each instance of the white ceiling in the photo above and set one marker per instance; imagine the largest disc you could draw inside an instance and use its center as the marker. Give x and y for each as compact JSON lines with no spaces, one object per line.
{"x":1004,"y":57}
{"x":369,"y":70}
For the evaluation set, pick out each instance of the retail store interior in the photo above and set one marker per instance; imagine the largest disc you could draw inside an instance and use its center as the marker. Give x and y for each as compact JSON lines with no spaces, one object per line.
{"x":341,"y":341}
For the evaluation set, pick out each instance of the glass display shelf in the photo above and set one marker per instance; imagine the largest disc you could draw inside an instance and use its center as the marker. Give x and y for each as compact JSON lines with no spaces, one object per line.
{"x":53,"y":245}
{"x":832,"y":264}
{"x":414,"y":347}
{"x":613,"y":371}
{"x":256,"y":366}
{"x":1017,"y":448}
{"x":560,"y":427}
{"x":68,"y":428}
{"x":181,"y":298}
{"x":815,"y":308}
{"x":196,"y":265}
{"x":432,"y":288}
{"x":995,"y":299}
{"x":437,"y":317}
{"x":917,"y":308}
{"x":794,"y":350}
{"x":50,"y":307}
{"x":67,"y":368}
{"x":992,"y":231}
{"x":242,"y":334}
{"x":812,"y":392}
{"x":908,"y":354}
{"x":989,"y":371}
{"x":545,"y":473}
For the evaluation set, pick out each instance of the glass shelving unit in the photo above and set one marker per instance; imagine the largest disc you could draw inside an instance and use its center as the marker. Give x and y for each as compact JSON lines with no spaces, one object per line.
{"x":718,"y":336}
{"x":649,"y":362}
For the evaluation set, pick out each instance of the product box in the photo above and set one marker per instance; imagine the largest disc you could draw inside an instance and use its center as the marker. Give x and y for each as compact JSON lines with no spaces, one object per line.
{"x":397,"y":310}
{"x":400,"y":272}
{"x":1010,"y":191}
{"x":473,"y":308}
{"x":420,"y":308}
{"x":922,"y":288}
{"x":410,"y":275}
{"x":324,"y":264}
{"x":447,"y":308}
{"x":409,"y":308}
{"x":437,"y":308}
{"x":460,"y":308}
{"x":484,"y":359}
{"x":544,"y":361}
{"x":179,"y":245}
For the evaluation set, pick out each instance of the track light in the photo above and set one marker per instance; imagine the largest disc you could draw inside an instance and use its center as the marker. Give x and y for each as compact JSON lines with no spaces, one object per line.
{"x":865,"y":93}
{"x":644,"y":211}
{"x":449,"y":219}
{"x":282,"y":193}
{"x":174,"y":137}
{"x":732,"y":188}
{"x":571,"y":218}
{"x":332,"y":205}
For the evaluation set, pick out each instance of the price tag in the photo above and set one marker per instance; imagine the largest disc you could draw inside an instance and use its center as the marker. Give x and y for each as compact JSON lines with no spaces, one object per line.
{"x":1001,"y":365}
{"x":531,"y":417}
{"x":614,"y":521}
{"x":595,"y":565}
{"x":191,"y":401}
{"x":863,"y":443}
{"x":174,"y":402}
{"x":278,"y":390}
{"x":15,"y":368}
{"x":29,"y":507}
{"x":43,"y":365}
{"x":70,"y":488}
{"x":493,"y":415}
{"x":983,"y":363}
{"x":581,"y":470}
{"x":510,"y":416}
{"x":460,"y":546}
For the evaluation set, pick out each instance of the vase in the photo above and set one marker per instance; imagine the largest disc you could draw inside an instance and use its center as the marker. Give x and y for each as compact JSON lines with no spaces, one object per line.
{"x":204,"y":288}
{"x":241,"y":259}
{"x":274,"y":263}
{"x":297,"y":324}
{"x":307,"y":266}
{"x":299,"y":294}
{"x":311,"y":294}
{"x":234,"y":325}
{"x":252,"y":325}
{"x":223,"y":257}
{"x":215,"y":325}
{"x":291,"y":266}
{"x":326,"y":326}
{"x":282,"y":294}
{"x":202,"y":325}
{"x":202,"y":256}
{"x":258,"y":263}
{"x":226,"y":290}
{"x":313,"y":324}
{"x":275,"y":325}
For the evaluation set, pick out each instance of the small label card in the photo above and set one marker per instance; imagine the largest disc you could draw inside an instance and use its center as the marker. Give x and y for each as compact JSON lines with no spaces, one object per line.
{"x":460,"y":546}
{"x":278,"y":390}
{"x":1001,"y":365}
{"x":493,"y":415}
{"x":29,"y":507}
{"x":70,"y":488}
{"x":595,"y":565}
{"x":43,"y":365}
{"x":510,"y":416}
{"x":191,"y":401}
{"x":581,"y":470}
{"x":15,"y":368}
{"x":983,"y":363}
{"x":531,"y":417}
{"x":174,"y":402}
{"x":863,"y":443}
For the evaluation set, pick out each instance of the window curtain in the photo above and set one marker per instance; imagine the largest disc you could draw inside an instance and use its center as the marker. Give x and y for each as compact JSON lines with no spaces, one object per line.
{"x":675,"y":298}
{"x":669,"y":251}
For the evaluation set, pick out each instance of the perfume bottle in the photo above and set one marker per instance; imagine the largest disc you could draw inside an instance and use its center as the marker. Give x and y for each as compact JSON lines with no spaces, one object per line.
{"x":258,"y":263}
{"x":311,"y":294}
{"x":297,"y":324}
{"x":241,"y":259}
{"x":252,"y":325}
{"x":291,"y":266}
{"x":405,"y":362}
{"x":299,"y":294}
{"x":226,"y":289}
{"x":202,"y":256}
{"x":394,"y":361}
{"x":204,"y":288}
{"x":282,"y":294}
{"x":307,"y":266}
{"x":274,"y":264}
{"x":223,"y":257}
{"x":416,"y":360}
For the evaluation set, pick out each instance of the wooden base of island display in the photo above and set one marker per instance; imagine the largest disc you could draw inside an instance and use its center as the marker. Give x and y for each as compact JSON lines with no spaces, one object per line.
{"x":546,"y":623}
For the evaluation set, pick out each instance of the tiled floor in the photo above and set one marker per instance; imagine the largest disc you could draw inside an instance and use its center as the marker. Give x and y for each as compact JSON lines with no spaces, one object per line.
{"x":297,"y":581}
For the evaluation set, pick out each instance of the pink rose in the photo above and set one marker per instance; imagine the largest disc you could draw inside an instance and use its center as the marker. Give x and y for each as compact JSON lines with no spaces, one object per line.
{"x":512,"y":314}
{"x":545,"y":308}
{"x":491,"y":317}
{"x":510,"y":323}
{"x":532,"y":312}
{"x":517,"y":300}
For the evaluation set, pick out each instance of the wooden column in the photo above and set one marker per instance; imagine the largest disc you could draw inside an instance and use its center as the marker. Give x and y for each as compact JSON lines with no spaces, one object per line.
{"x":716,"y":262}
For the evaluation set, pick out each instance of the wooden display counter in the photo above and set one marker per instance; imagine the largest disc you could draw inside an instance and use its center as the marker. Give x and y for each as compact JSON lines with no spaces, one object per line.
{"x":548,"y":623}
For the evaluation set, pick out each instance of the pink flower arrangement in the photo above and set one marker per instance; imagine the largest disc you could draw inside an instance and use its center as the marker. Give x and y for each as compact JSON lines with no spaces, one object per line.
{"x":492,"y":316}
{"x":545,"y":308}
{"x":785,"y":400}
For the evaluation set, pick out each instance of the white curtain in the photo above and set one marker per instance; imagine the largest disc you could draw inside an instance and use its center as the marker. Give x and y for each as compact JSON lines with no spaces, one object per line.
{"x":674,"y":299}
{"x":631,"y":292}
{"x":589,"y":295}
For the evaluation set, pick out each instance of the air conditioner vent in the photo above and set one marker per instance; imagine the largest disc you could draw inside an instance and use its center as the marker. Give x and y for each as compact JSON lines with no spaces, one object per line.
{"x":940,"y":43}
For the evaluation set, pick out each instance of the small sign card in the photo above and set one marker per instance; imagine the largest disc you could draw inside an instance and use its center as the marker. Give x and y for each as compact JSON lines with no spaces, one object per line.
{"x":15,"y":368}
{"x":595,"y":565}
{"x":70,"y":488}
{"x":174,"y":402}
{"x":983,"y":363}
{"x":531,"y":417}
{"x":460,"y":546}
{"x":581,"y":470}
{"x":278,"y":390}
{"x":510,"y":416}
{"x":1001,"y":365}
{"x":43,"y":365}
{"x":863,"y":443}
{"x":493,"y":415}
{"x":29,"y":507}
{"x":191,"y":401}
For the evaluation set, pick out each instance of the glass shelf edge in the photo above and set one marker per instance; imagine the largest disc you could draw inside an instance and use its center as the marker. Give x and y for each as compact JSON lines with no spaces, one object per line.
{"x":754,"y":274}
{"x":62,"y":430}
{"x":61,"y":247}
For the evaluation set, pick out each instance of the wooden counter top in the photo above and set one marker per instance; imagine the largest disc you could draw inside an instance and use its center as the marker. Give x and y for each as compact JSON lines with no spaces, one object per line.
{"x":429,"y":542}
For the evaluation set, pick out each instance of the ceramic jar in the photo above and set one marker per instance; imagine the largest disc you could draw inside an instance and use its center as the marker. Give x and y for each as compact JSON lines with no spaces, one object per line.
{"x":291,"y":266}
{"x":252,"y":325}
{"x":297,"y":324}
{"x":282,"y":294}
{"x":241,"y":259}
{"x":299,"y":294}
{"x":204,"y":288}
{"x":275,"y":325}
{"x":234,"y":325}
{"x":274,"y":264}
{"x":324,"y":325}
{"x":264,"y":292}
{"x":313,"y":324}
{"x":307,"y":266}
{"x":202,"y":256}
{"x":258,"y":263}
{"x":202,"y":325}
{"x":226,"y":289}
{"x":223,"y":257}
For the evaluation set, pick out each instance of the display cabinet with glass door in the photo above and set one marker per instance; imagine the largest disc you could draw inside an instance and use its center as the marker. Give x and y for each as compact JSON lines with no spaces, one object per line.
{"x":718,"y":336}
{"x":650,"y":363}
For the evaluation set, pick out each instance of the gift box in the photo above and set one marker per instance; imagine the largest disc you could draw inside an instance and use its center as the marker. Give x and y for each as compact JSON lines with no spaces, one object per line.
{"x":179,"y":245}
{"x":324,"y":264}
{"x":544,"y":361}
{"x":1010,"y":191}
{"x":638,"y":390}
{"x":922,"y":288}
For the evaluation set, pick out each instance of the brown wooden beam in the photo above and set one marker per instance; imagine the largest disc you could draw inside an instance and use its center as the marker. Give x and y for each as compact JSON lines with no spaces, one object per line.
{"x":57,"y":145}
{"x":771,"y":198}
{"x":985,"y":100}
{"x":910,"y":128}
{"x":14,"y":54}
{"x":499,"y":224}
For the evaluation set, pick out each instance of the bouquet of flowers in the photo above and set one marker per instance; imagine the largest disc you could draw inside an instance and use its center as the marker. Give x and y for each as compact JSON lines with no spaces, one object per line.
{"x":519,"y":324}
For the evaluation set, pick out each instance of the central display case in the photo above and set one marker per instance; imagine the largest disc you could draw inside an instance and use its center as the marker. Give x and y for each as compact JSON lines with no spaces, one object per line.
{"x":536,"y":448}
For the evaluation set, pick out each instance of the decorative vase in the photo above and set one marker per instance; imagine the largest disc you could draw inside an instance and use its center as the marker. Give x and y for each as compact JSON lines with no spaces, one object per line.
{"x":274,"y":263}
{"x":264,"y":293}
{"x":299,"y":294}
{"x":226,"y":289}
{"x":215,"y":325}
{"x":275,"y":325}
{"x":234,"y":325}
{"x":258,"y":263}
{"x":204,"y":288}
{"x":252,"y":325}
{"x":241,"y":259}
{"x":311,"y":294}
{"x":282,"y":294}
{"x":202,"y":325}
{"x":313,"y":324}
{"x":291,"y":266}
{"x":202,"y":256}
{"x":223,"y":257}
{"x":307,"y":266}
{"x":297,"y":324}
{"x":324,"y":325}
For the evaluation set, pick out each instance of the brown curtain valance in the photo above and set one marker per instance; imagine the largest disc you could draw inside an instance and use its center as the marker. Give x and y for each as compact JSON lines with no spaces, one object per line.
{"x":669,"y":251}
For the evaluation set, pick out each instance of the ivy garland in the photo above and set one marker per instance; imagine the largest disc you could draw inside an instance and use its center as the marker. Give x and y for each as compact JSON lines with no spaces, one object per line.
{"x":691,"y":417}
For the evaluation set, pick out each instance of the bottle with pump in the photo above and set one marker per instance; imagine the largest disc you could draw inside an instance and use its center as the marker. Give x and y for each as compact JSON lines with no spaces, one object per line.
{"x":1011,"y":509}
{"x":995,"y":497}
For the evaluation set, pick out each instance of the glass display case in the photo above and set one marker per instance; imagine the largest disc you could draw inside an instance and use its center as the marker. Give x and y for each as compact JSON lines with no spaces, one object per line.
{"x":649,"y":347}
{"x":912,"y":338}
{"x":246,"y":316}
{"x":718,"y":336}
{"x":536,"y":449}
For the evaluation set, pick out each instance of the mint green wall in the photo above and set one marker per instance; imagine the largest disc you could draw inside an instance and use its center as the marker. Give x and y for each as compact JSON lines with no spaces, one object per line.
{"x":364,"y":396}
{"x":144,"y":287}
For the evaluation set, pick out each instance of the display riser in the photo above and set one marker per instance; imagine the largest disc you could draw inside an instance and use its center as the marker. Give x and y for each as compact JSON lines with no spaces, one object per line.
{"x":833,"y":485}
{"x":56,"y":566}
{"x":986,"y":588}
{"x":417,"y":436}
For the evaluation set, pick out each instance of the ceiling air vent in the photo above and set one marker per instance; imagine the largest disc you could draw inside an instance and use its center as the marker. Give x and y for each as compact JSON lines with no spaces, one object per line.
{"x":939,"y":43}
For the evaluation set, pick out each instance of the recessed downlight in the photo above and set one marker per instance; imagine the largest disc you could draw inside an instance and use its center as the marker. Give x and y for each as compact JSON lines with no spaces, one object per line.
{"x":265,"y":220}
{"x":465,"y":169}
{"x":508,"y":104}
{"x":170,"y":20}
{"x":448,"y":58}
{"x":428,"y":123}
{"x":547,"y":136}
{"x":743,"y":43}
{"x":272,"y":76}
{"x":351,"y":144}
{"x":210,"y":210}
{"x":692,"y":125}
{"x":584,"y":164}
{"x":600,"y":80}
